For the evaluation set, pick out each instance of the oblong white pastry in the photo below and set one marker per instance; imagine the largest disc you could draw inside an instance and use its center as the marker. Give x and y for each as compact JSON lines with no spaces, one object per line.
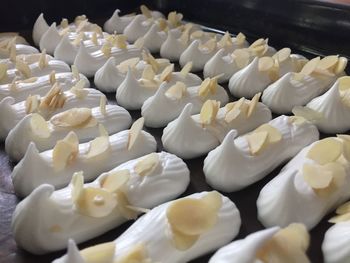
{"x":335,"y":245}
{"x":46,"y":219}
{"x":109,"y":77}
{"x":19,"y":90}
{"x":11,"y":113}
{"x":260,"y":73}
{"x":189,"y":137}
{"x":313,"y":183}
{"x":26,"y":58}
{"x":162,"y":107}
{"x":268,"y":245}
{"x":295,"y":90}
{"x":88,"y":63}
{"x":7,"y":37}
{"x":83,"y":121}
{"x":132,"y":92}
{"x":38,"y":168}
{"x":232,"y":165}
{"x":330,"y":112}
{"x":151,"y":237}
{"x":39,"y":28}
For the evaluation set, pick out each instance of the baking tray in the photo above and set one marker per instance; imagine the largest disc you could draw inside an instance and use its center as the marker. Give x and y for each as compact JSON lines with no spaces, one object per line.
{"x":245,"y":199}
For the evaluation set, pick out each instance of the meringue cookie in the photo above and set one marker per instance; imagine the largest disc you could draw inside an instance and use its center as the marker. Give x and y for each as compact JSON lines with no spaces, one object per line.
{"x":117,"y":23}
{"x":162,"y":108}
{"x":188,"y":137}
{"x":24,"y":71}
{"x":9,"y":36}
{"x":313,"y":183}
{"x":109,"y":77}
{"x":330,"y":111}
{"x":26,"y":58}
{"x":39,"y":28}
{"x":19,"y":49}
{"x":154,"y":38}
{"x":21,"y":89}
{"x":11,"y":113}
{"x":232,"y":166}
{"x":335,"y":246}
{"x":88,"y":63}
{"x":175,"y":44}
{"x":57,"y":210}
{"x":132,"y":92}
{"x":272,"y":244}
{"x":137,"y":28}
{"x":159,"y":243}
{"x":112,"y":117}
{"x":37,"y":168}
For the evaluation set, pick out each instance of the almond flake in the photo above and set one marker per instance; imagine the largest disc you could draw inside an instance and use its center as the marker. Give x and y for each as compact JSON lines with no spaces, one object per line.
{"x":94,"y":39}
{"x":241,"y":57}
{"x":52,"y":77}
{"x":75,"y":72}
{"x":115,"y":180}
{"x":147,"y":165}
{"x":232,"y":115}
{"x":175,"y":18}
{"x":121,"y":42}
{"x":145,"y":11}
{"x":297,"y":120}
{"x":106,"y":49}
{"x":325,"y":151}
{"x":328,"y":63}
{"x":167,"y":72}
{"x":43,"y":60}
{"x":182,"y":241}
{"x":346,"y":145}
{"x":176,"y":91}
{"x":344,"y":84}
{"x":139,"y":43}
{"x":282,"y":54}
{"x":208,"y":46}
{"x":257,"y":141}
{"x":137,"y":253}
{"x":265,"y":64}
{"x":252,"y":104}
{"x":339,"y":218}
{"x":186,"y":69}
{"x":134,"y":132}
{"x":32,"y":103}
{"x":65,"y":151}
{"x":78,"y":89}
{"x":39,"y":126}
{"x":98,"y":147}
{"x":64,"y":23}
{"x":72,"y":117}
{"x":23,"y":68}
{"x":78,"y":39}
{"x":209,"y":111}
{"x":123,"y":204}
{"x":274,"y":135}
{"x":103,"y":101}
{"x":77,"y":186}
{"x":3,"y":71}
{"x":225,"y":40}
{"x":310,"y":66}
{"x":258,"y":42}
{"x":307,"y":113}
{"x":99,"y":253}
{"x":148,"y":73}
{"x":204,"y":88}
{"x":341,"y":65}
{"x":316,"y":177}
{"x":343,"y":209}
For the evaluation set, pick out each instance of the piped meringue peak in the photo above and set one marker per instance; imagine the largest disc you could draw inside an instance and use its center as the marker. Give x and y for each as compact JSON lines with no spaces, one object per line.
{"x":67,"y":156}
{"x":82,"y":211}
{"x":313,"y":183}
{"x":330,"y":111}
{"x":132,"y":92}
{"x":164,"y":106}
{"x":274,"y":244}
{"x":11,"y":46}
{"x":192,"y":136}
{"x":238,"y":163}
{"x":168,"y":233}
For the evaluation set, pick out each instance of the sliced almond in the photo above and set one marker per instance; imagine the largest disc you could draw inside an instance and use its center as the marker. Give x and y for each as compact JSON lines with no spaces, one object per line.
{"x":225,"y":40}
{"x":79,"y":90}
{"x":252,"y":104}
{"x":307,"y":113}
{"x":328,"y":63}
{"x":77,"y":186}
{"x":197,"y":34}
{"x":186,"y":69}
{"x":13,"y":52}
{"x":340,"y":218}
{"x":182,"y":241}
{"x":341,"y":65}
{"x":167,"y":72}
{"x":175,"y":18}
{"x":265,"y":64}
{"x":94,"y":39}
{"x":232,"y":115}
{"x":137,"y":253}
{"x":274,"y":135}
{"x":64,"y":23}
{"x":121,"y":42}
{"x":297,"y":120}
{"x":43,"y":60}
{"x":71,"y":118}
{"x":139,"y":43}
{"x":99,"y":253}
{"x":132,"y":62}
{"x":32,"y":104}
{"x":123,"y":204}
{"x":257,"y":141}
{"x":102,"y":130}
{"x":204,"y":88}
{"x":39,"y":126}
{"x":78,"y":39}
{"x":316,"y":177}
{"x":98,"y":147}
{"x":241,"y":57}
{"x":240,"y":38}
{"x":258,"y":42}
{"x":176,"y":91}
{"x":145,"y":11}
{"x":310,"y":66}
{"x":65,"y":151}
{"x":75,"y":72}
{"x":209,"y":111}
{"x":52,"y":77}
{"x":146,"y":56}
{"x":3,"y":71}
{"x":106,"y":49}
{"x":343,"y":209}
{"x":96,"y":202}
{"x":103,"y":101}
{"x":147,"y":165}
{"x":325,"y":151}
{"x":23,"y":68}
{"x":115,"y":180}
{"x":134,"y":132}
{"x":346,"y":145}
{"x":208,"y":46}
{"x":282,"y":54}
{"x":148,"y":73}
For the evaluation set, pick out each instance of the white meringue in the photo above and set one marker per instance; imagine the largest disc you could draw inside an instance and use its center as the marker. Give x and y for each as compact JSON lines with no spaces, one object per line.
{"x":37,"y":168}
{"x":88,"y":63}
{"x":272,"y":244}
{"x":39,"y":28}
{"x":20,"y":49}
{"x":11,"y":113}
{"x":153,"y":234}
{"x":174,"y":45}
{"x":153,"y":39}
{"x":160,"y":109}
{"x":132,"y":92}
{"x":289,"y":197}
{"x":114,"y":119}
{"x":287,"y":92}
{"x":137,"y":28}
{"x":9,"y":36}
{"x":231,"y":166}
{"x":117,"y":23}
{"x":109,"y":77}
{"x":188,"y":138}
{"x":42,"y":212}
{"x":329,"y":112}
{"x":26,"y":58}
{"x":40,"y":85}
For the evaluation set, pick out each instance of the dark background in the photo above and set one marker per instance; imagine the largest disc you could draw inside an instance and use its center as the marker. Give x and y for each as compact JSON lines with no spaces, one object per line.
{"x":308,"y":27}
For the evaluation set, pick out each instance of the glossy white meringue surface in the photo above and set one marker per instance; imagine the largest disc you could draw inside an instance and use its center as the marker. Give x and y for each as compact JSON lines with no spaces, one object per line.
{"x":173,"y":47}
{"x":11,"y":113}
{"x":335,"y":246}
{"x":117,"y":23}
{"x":40,"y":27}
{"x":160,"y":109}
{"x":44,"y":208}
{"x":21,"y":49}
{"x":17,"y":141}
{"x":287,"y":92}
{"x":154,"y":38}
{"x":37,"y":168}
{"x":187,"y":138}
{"x":152,"y":230}
{"x":137,"y":28}
{"x":287,"y":198}
{"x":231,"y":166}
